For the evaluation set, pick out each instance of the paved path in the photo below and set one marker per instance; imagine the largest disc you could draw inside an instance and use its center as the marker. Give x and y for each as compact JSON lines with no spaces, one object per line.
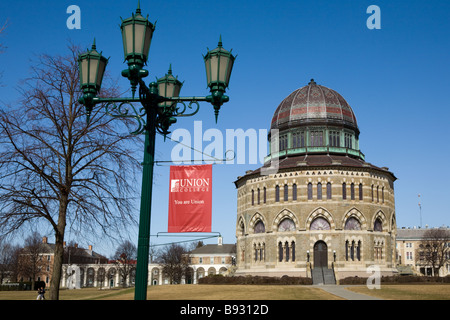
{"x":340,"y":291}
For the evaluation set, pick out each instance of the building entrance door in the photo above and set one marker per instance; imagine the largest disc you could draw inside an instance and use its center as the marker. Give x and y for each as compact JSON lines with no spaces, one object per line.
{"x":320,"y":255}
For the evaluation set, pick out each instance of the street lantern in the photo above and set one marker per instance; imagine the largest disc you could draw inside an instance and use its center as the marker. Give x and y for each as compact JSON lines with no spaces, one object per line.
{"x":137,"y":33}
{"x":159,"y":109}
{"x":169,"y":87}
{"x":218,"y":63}
{"x":91,"y":68}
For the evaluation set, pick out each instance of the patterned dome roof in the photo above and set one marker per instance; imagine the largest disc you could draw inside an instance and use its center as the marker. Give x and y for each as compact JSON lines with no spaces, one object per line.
{"x":313,"y":104}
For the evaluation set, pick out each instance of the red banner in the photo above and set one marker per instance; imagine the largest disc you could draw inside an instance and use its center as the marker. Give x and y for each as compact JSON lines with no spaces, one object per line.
{"x":190,"y":198}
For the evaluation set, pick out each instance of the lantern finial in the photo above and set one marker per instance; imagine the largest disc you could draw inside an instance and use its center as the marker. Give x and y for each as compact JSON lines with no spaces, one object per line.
{"x":138,"y":10}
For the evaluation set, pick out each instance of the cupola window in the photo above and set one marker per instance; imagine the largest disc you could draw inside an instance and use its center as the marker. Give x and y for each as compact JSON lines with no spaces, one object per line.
{"x":298,"y":139}
{"x":348,"y":141}
{"x":316,"y":138}
{"x":334,"y":139}
{"x":283,"y":142}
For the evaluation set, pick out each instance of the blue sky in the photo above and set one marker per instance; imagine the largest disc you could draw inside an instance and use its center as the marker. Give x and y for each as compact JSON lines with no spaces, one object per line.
{"x":395,"y":79}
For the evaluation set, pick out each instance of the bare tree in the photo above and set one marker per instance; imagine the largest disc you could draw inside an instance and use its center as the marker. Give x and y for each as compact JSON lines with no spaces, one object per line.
{"x":31,"y":260}
{"x":434,"y":249}
{"x":174,"y":260}
{"x":125,"y":260}
{"x":8,"y":261}
{"x":2,"y":30}
{"x":57,"y":169}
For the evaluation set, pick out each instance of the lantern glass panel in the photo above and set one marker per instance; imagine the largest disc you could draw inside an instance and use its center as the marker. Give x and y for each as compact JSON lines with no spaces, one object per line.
{"x":148,"y":40}
{"x":230,"y":67}
{"x":223,"y":68}
{"x":84,"y":71}
{"x":101,"y":71}
{"x":176,"y":91}
{"x":128,"y":39}
{"x":139,"y":33}
{"x":208,"y":71}
{"x":93,"y":68}
{"x":214,"y":68}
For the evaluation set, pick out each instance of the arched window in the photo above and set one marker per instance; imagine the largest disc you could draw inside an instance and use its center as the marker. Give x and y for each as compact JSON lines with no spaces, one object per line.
{"x":253,"y":197}
{"x":378,"y":250}
{"x":283,"y":142}
{"x":294,"y":192}
{"x":352,"y":191}
{"x":310,"y":191}
{"x":358,"y":251}
{"x":344,"y":191}
{"x":259,"y":251}
{"x":259,"y":196}
{"x":346,"y":250}
{"x":320,"y":224}
{"x":382,"y":194}
{"x":352,"y":251}
{"x":298,"y":139}
{"x":286,"y":225}
{"x":316,"y":138}
{"x":259,"y":227}
{"x":277,"y":193}
{"x":241,"y":228}
{"x":372,"y":193}
{"x":286,"y":248}
{"x":329,"y":191}
{"x":352,"y":224}
{"x":360,"y":191}
{"x":378,"y":196}
{"x":378,"y":225}
{"x":264,"y":195}
{"x":280,"y":251}
{"x":262,"y":252}
{"x":293,"y":250}
{"x":286,"y":192}
{"x":286,"y":251}
{"x":319,"y":191}
{"x":334,"y":138}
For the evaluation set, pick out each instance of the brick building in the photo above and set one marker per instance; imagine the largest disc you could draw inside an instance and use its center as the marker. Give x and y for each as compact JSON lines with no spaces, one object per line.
{"x":322,"y":211}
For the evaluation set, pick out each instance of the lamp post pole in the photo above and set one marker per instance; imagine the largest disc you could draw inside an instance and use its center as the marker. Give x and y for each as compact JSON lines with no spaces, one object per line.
{"x":159,"y":110}
{"x":146,"y":207}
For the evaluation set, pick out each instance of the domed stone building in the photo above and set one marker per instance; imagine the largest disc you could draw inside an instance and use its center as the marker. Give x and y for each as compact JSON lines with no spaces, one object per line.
{"x":324,"y":212}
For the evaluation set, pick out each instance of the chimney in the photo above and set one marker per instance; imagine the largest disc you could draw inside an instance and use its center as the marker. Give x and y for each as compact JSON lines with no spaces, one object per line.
{"x":219,"y":241}
{"x":44,"y":240}
{"x":90,"y":247}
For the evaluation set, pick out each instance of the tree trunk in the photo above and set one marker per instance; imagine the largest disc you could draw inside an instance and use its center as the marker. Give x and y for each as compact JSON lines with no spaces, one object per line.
{"x":59,"y":251}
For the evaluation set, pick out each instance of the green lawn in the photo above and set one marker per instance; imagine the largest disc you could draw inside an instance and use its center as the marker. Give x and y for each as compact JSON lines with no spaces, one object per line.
{"x":408,"y":292}
{"x":243,"y":292}
{"x":188,"y":292}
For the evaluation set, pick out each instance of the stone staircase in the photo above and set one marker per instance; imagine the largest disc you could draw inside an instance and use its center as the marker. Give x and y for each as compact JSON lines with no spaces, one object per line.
{"x":323,"y":276}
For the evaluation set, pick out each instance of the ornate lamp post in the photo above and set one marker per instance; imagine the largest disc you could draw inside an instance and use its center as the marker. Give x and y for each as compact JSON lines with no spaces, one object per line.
{"x":160,"y":102}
